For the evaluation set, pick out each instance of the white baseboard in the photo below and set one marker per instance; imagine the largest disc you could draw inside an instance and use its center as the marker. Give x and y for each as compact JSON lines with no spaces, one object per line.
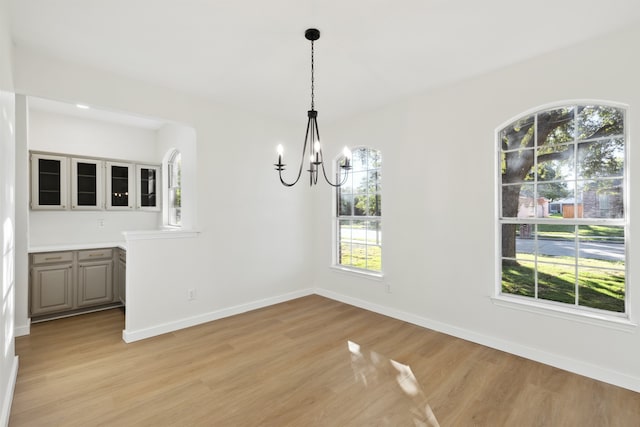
{"x":135,"y":335}
{"x":7,"y":397}
{"x":561,"y":362}
{"x":20,"y":331}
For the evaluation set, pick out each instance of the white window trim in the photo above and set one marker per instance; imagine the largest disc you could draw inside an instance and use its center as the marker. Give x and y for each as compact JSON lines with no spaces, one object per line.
{"x":619,"y":321}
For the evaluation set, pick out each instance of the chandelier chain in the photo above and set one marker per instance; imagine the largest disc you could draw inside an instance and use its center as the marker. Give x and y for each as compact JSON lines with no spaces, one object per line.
{"x":312,"y":79}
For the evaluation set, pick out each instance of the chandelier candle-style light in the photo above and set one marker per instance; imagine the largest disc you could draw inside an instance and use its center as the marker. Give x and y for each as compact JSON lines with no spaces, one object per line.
{"x":312,"y":140}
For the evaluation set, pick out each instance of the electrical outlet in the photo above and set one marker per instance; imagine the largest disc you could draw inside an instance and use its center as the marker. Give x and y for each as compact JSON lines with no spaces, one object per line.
{"x":191,"y":294}
{"x":388,"y":287}
{"x":101,"y":223}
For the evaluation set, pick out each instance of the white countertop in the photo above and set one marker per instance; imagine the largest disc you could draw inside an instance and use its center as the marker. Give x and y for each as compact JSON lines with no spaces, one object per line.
{"x":77,"y":246}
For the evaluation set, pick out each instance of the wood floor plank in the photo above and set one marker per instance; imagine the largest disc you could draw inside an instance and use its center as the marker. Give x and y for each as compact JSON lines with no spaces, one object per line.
{"x":307,"y":362}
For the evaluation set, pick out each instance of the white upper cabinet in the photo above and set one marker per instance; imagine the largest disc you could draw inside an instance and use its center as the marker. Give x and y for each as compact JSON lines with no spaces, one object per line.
{"x":120,"y":186}
{"x":148,"y":187}
{"x":86,"y":184}
{"x":49,"y":181}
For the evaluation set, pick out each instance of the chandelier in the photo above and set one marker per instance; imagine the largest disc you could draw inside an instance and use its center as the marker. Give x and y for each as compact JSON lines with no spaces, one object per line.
{"x":312,"y":140}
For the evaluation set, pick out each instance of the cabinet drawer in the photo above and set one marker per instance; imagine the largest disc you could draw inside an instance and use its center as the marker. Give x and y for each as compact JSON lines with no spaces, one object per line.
{"x":95,"y":254}
{"x":123,"y":255}
{"x":52,"y":257}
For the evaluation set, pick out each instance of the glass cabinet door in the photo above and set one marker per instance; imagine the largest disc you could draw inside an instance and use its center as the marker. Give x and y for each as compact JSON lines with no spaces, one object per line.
{"x":86,"y":184}
{"x":148,"y":186}
{"x":120,"y":185}
{"x":48,"y":181}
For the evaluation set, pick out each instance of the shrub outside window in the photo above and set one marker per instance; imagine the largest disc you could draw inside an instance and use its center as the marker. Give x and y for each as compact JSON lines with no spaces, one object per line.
{"x":562,"y":197}
{"x":359,"y":214}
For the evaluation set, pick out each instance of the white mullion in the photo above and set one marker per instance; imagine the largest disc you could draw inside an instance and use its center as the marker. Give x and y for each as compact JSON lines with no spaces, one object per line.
{"x":535,"y":260}
{"x":576,"y":257}
{"x":535,"y":207}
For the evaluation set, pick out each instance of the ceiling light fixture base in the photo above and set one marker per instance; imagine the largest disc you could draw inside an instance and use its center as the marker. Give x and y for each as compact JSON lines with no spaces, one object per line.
{"x":312,"y":34}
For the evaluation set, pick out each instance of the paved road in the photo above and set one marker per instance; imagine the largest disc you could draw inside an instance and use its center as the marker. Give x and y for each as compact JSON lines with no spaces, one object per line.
{"x":606,"y":251}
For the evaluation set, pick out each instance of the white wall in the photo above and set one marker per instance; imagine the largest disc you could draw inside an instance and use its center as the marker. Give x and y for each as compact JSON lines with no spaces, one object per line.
{"x":255,"y":234}
{"x":58,"y":133}
{"x":8,"y":360}
{"x":439,"y":158}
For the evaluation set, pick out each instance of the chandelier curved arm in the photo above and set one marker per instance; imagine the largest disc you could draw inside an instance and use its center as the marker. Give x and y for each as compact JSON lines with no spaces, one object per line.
{"x":280,"y":166}
{"x":344,"y":179}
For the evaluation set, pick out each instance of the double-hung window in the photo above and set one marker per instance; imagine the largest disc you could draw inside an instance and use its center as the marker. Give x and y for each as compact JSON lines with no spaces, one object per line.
{"x":562,"y":214}
{"x":359,"y":214}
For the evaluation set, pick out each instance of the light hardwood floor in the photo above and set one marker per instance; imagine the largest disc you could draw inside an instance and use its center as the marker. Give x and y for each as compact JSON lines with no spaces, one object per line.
{"x":307,"y":362}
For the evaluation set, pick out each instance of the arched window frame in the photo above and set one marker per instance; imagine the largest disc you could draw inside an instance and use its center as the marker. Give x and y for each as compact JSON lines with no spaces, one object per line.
{"x":537,"y":225}
{"x":361,"y":253}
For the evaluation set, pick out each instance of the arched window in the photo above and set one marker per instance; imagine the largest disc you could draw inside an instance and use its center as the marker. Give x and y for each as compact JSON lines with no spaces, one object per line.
{"x":359,"y":214}
{"x":562,"y":196}
{"x":174,"y":199}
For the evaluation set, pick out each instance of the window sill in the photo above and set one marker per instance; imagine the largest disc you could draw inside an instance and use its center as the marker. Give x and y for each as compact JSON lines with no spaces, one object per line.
{"x":359,"y":273}
{"x":608,"y":321}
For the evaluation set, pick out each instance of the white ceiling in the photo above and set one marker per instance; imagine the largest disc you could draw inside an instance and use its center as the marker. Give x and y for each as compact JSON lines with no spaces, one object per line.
{"x":252,"y":53}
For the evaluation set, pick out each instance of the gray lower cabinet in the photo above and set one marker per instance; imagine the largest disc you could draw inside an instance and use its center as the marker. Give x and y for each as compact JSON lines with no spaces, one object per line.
{"x":95,"y":277}
{"x":72,"y":281}
{"x":52,"y":285}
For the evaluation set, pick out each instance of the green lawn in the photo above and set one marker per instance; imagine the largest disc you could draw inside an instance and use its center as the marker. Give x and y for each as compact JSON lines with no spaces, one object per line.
{"x":600,"y":284}
{"x":357,"y":256}
{"x":585,"y":232}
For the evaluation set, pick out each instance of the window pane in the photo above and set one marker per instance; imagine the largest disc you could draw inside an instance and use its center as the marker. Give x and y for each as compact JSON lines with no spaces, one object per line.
{"x":344,"y":230}
{"x":555,"y":163}
{"x":601,"y":246}
{"x":510,"y":199}
{"x":517,"y":166}
{"x":373,"y":181}
{"x":373,"y":159}
{"x":359,"y":256}
{"x":522,"y":203}
{"x":344,"y":256}
{"x":551,"y":197}
{"x":557,"y":282}
{"x":599,"y":121}
{"x":602,"y":198}
{"x":359,"y":231}
{"x":360,"y":205}
{"x":525,"y":241}
{"x":376,"y":208}
{"x":359,"y":159}
{"x":601,"y":288}
{"x":556,"y":126}
{"x":374,"y":258}
{"x":347,"y":187}
{"x":601,"y":159}
{"x":557,"y":242}
{"x":360,"y":182}
{"x":345,"y":206}
{"x":518,"y":134}
{"x":518,"y":278}
{"x":374,"y":233}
